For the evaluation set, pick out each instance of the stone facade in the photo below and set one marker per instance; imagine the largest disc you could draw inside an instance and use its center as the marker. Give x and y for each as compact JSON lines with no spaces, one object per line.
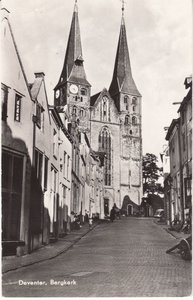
{"x":111,"y":119}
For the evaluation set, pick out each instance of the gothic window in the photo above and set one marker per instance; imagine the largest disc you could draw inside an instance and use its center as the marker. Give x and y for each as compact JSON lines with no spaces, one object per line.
{"x":104,"y":110}
{"x":134,"y":121}
{"x":134,"y":101}
{"x":126,"y":120}
{"x":105,"y":145}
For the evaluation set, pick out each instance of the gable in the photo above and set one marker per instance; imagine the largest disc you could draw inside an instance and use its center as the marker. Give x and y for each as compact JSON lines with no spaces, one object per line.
{"x":104,"y":108}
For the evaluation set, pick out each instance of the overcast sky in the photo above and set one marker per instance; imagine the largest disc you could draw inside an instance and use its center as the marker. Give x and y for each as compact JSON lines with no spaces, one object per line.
{"x":160,"y":44}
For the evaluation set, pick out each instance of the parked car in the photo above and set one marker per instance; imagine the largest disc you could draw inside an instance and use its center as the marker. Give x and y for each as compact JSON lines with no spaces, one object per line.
{"x":159,"y":213}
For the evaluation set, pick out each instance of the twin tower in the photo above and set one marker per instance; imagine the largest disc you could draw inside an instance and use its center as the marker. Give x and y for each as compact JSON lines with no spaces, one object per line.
{"x":111,"y":118}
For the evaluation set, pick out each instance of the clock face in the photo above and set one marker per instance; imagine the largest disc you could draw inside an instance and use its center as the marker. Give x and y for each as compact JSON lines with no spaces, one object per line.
{"x":57,"y":93}
{"x":74,"y":89}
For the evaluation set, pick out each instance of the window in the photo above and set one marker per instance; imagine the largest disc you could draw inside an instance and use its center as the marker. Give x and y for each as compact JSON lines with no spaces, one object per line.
{"x":134,"y":121}
{"x":64,"y":165}
{"x":12,"y":165}
{"x":68,"y":162}
{"x":126,"y":99}
{"x":17,"y":108}
{"x":38,"y":115}
{"x":105,"y":145}
{"x":184,"y":141}
{"x":83,"y":92}
{"x":188,"y":191}
{"x":82,"y":112}
{"x":38,"y":165}
{"x":74,"y":110}
{"x":134,"y":101}
{"x":4,"y":100}
{"x":127,"y":107}
{"x":133,"y":108}
{"x":46,"y":174}
{"x":126,"y":120}
{"x":55,"y":143}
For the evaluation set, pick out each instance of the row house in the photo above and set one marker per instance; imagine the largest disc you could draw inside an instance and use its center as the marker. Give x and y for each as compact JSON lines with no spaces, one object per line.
{"x":17,"y":145}
{"x":179,"y":182}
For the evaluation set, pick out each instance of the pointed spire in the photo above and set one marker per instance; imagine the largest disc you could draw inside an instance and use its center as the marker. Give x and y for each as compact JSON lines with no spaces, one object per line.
{"x":122,"y":77}
{"x":75,"y":6}
{"x":73,"y":51}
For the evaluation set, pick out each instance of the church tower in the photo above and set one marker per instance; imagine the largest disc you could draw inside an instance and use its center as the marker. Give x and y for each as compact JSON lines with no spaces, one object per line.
{"x":127,"y":99}
{"x":73,"y":89}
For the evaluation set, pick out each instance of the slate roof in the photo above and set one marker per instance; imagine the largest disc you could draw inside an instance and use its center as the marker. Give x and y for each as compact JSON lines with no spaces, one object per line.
{"x":73,"y":53}
{"x":122,"y":80}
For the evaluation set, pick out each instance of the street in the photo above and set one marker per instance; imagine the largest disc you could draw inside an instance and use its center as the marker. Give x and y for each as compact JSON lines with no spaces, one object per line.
{"x":126,"y":258}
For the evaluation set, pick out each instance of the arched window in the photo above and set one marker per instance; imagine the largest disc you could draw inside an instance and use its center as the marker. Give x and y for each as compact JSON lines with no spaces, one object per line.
{"x":126,"y":120}
{"x":134,"y":101}
{"x":81,"y":112}
{"x":134,"y":120}
{"x":105,"y":145}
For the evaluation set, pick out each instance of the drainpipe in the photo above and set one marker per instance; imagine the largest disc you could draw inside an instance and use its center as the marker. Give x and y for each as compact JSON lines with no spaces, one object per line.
{"x":181,"y":172}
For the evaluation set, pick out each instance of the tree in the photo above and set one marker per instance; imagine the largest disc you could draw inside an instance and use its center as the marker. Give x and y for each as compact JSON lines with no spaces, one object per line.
{"x":151,"y":173}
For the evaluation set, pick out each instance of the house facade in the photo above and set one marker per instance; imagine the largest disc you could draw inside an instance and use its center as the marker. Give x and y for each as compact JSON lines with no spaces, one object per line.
{"x":17,"y":145}
{"x":179,"y":182}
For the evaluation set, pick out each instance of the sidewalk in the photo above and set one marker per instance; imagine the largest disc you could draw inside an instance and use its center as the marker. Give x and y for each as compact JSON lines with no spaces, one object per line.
{"x":50,"y":251}
{"x":175,"y":234}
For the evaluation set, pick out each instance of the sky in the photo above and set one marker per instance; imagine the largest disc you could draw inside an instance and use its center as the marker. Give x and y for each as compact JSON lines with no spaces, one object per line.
{"x":159,"y":35}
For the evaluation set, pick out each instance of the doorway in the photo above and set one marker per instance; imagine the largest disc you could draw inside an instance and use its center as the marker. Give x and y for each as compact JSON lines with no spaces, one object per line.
{"x":129,"y":209}
{"x":106,"y":206}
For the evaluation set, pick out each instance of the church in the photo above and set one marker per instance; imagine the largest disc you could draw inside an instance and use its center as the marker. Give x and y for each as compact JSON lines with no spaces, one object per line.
{"x":111,"y":119}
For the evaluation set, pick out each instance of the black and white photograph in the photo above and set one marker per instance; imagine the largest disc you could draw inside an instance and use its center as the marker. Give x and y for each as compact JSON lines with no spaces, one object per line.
{"x":96,"y":148}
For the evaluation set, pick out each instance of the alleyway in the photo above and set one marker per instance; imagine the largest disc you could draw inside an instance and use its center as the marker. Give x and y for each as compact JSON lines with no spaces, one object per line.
{"x":125,"y":259}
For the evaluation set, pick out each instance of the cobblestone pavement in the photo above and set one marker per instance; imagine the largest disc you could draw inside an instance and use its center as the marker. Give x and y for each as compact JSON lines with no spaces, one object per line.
{"x":126,"y":258}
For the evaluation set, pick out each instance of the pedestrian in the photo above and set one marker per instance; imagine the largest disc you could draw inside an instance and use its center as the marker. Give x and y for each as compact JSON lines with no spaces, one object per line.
{"x":90,"y":221}
{"x":112,"y":214}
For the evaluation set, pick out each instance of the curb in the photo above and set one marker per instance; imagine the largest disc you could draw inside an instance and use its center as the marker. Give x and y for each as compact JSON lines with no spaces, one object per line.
{"x":65,"y":249}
